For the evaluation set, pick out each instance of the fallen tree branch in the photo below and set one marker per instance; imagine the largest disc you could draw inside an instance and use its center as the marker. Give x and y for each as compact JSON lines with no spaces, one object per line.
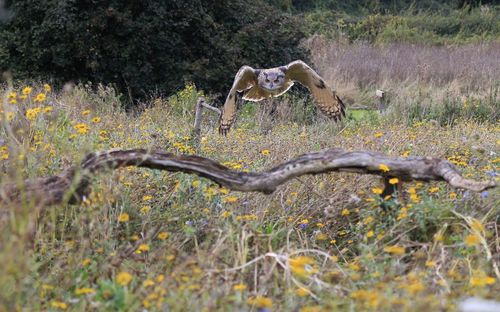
{"x":73,"y":183}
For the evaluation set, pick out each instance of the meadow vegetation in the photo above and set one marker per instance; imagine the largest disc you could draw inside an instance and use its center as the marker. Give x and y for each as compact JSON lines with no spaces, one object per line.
{"x":156,"y":241}
{"x":318,"y":243}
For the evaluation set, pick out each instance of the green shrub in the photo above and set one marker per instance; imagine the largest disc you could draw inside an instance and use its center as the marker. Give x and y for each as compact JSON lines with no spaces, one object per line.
{"x":455,"y":27}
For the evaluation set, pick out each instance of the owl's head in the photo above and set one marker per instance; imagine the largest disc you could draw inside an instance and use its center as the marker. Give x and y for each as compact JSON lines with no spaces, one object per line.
{"x":272,"y":79}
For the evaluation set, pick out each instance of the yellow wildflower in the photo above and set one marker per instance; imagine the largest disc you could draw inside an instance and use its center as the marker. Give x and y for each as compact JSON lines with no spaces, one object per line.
{"x":414,"y":287}
{"x":142,"y":248}
{"x":148,"y":283}
{"x":477,"y":225}
{"x":27,"y":90}
{"x":371,"y":298}
{"x":225,"y":214}
{"x":147,"y":197}
{"x":145,"y":209}
{"x":163,"y":235}
{"x":84,"y":291}
{"x":240,"y":287}
{"x":265,"y":152}
{"x":58,"y":304}
{"x":96,"y":119}
{"x":378,"y":134}
{"x":85,"y":112}
{"x":377,"y":190}
{"x":48,"y":109}
{"x":86,"y":262}
{"x":123,"y":217}
{"x":383,"y":167}
{"x":32,"y":113}
{"x":433,"y":189}
{"x":472,"y":240}
{"x":47,"y":88}
{"x":195,"y":183}
{"x":394,"y":181}
{"x":321,"y":237}
{"x":40,"y":97}
{"x":124,"y":278}
{"x":480,"y":279}
{"x":302,"y":266}
{"x":396,"y":250}
{"x":260,"y":302}
{"x":302,"y":292}
{"x":81,"y":128}
{"x":230,"y":199}
{"x":345,"y":212}
{"x":370,"y":234}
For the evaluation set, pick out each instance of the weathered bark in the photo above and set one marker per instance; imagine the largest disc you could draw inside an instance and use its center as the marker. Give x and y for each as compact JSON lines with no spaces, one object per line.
{"x":73,"y":183}
{"x":199,"y":113}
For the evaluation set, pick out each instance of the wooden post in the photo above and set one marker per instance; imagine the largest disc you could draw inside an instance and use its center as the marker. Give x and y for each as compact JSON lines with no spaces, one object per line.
{"x":197,"y":118}
{"x":381,"y":100}
{"x":198,"y":115}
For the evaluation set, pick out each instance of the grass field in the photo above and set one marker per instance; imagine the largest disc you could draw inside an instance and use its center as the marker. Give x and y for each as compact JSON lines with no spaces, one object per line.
{"x":319,"y":243}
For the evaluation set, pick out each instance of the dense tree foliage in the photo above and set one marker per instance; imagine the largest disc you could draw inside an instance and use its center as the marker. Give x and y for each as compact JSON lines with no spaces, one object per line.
{"x":144,"y":46}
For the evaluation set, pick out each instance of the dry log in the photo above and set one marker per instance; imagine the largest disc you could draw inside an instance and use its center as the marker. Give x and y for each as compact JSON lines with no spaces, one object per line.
{"x":73,"y":183}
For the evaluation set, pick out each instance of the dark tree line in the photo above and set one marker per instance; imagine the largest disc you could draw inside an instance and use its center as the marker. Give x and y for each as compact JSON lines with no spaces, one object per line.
{"x":145,"y":46}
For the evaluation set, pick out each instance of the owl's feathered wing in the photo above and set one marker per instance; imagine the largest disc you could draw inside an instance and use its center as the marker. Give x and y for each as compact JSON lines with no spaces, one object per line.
{"x":245,"y":79}
{"x":326,"y":99}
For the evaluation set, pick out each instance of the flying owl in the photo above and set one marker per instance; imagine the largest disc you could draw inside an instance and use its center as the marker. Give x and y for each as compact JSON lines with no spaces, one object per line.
{"x":260,"y":84}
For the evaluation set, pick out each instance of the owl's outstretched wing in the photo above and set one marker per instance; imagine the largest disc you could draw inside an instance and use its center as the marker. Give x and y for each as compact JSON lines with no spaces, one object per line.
{"x":244,"y":80}
{"x":326,"y":99}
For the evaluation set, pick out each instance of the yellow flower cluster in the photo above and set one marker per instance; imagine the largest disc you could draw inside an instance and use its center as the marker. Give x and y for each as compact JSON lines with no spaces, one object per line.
{"x":302,"y":266}
{"x":4,"y":152}
{"x":124,"y":278}
{"x":260,"y":302}
{"x":367,"y":297}
{"x":32,"y":113}
{"x":249,"y":217}
{"x":395,"y":250}
{"x":82,"y":128}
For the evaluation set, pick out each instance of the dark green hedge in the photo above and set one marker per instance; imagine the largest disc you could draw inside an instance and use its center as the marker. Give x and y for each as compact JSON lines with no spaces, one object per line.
{"x":146,"y":46}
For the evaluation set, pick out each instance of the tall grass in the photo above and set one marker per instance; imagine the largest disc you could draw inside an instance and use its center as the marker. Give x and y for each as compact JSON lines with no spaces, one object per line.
{"x":318,"y":243}
{"x":446,"y":82}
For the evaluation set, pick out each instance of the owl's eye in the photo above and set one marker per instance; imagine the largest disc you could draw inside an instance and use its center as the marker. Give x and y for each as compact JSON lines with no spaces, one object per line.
{"x":267,"y":80}
{"x":276,"y":80}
